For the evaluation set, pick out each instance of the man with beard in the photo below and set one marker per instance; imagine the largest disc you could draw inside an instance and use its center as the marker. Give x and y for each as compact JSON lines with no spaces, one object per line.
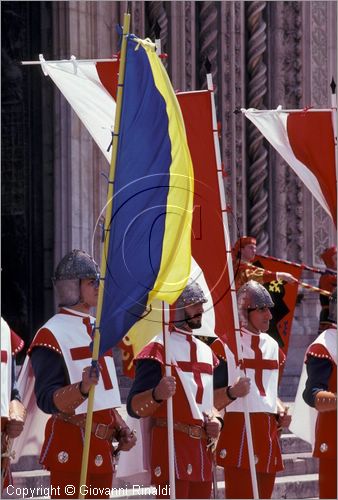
{"x":196,"y":422}
{"x":321,"y":393}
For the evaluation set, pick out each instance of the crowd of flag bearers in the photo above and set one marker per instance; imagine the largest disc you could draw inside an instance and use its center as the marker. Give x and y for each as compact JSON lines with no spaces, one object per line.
{"x":207,"y":387}
{"x":204,"y":399}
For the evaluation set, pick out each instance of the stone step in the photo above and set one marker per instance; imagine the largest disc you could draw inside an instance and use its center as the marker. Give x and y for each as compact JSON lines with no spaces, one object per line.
{"x":298,"y":486}
{"x":37,"y":486}
{"x":299,"y":463}
{"x":29,"y":483}
{"x":292,"y":444}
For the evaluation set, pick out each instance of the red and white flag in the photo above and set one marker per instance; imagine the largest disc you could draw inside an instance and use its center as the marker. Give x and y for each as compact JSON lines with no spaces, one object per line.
{"x":306,"y":142}
{"x":90,"y":88}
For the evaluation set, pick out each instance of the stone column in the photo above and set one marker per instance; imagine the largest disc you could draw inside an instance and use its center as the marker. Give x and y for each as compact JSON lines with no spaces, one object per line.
{"x":257,"y":89}
{"x":86,"y":30}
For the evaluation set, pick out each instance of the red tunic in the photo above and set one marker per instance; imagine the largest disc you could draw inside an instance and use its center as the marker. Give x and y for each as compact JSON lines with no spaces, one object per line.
{"x":232,"y":447}
{"x":193,"y":462}
{"x":326,"y":424}
{"x":63,"y":444}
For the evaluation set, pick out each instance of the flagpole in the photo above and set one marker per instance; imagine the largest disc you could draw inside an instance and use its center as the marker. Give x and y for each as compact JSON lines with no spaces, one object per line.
{"x":280,"y":110}
{"x":96,"y":339}
{"x":296,"y":264}
{"x":334,"y":123}
{"x":170,"y":419}
{"x":65,"y":61}
{"x":166,"y":337}
{"x":232,"y":281}
{"x":298,"y":282}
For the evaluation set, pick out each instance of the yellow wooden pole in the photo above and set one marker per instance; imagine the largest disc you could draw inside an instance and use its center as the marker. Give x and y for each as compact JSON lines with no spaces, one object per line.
{"x":103,"y":269}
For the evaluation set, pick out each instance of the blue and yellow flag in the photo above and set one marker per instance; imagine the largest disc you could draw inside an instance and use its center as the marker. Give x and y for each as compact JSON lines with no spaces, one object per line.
{"x":150,"y":231}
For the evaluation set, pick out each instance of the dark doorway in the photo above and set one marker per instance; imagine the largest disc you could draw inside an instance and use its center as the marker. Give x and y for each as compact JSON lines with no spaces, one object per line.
{"x":27,"y":233}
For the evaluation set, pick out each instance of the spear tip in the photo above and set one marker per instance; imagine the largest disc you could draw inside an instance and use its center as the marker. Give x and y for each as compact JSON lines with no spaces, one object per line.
{"x":333,"y":86}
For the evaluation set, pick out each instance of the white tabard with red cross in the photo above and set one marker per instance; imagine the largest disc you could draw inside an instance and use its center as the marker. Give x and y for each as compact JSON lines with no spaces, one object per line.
{"x":72,"y":333}
{"x":193,"y":361}
{"x":6,"y":367}
{"x":261,"y":363}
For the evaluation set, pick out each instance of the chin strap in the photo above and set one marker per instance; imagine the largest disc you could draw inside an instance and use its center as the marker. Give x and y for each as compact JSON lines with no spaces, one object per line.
{"x":325,"y":401}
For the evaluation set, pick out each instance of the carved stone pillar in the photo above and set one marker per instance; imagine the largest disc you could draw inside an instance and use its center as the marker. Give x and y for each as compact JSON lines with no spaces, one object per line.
{"x":83,"y":29}
{"x":182,"y":51}
{"x":257,"y":89}
{"x":231,"y":95}
{"x":285,"y":67}
{"x":157,"y":15}
{"x":208,"y":42}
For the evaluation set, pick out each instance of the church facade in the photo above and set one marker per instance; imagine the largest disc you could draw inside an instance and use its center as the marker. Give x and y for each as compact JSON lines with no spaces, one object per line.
{"x":262,"y":54}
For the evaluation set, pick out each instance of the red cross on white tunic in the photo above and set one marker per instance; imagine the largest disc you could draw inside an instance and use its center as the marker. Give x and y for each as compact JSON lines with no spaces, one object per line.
{"x":196,"y":367}
{"x":259,"y":364}
{"x":4,"y":357}
{"x":85,"y":353}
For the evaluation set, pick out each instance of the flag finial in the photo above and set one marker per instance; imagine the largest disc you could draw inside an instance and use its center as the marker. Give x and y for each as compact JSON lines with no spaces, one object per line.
{"x":333,"y":86}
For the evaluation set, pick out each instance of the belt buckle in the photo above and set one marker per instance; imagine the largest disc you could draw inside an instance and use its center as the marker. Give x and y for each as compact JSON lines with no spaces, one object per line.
{"x":195,"y":432}
{"x":104,"y":427}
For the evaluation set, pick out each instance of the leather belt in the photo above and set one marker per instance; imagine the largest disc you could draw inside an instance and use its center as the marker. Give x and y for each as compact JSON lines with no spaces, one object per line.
{"x":101,"y":431}
{"x":193,"y":431}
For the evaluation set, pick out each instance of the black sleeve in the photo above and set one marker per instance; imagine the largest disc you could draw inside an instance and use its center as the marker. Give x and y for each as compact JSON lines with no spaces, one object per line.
{"x":318,"y":374}
{"x":148,"y":374}
{"x":221,"y":374}
{"x":14,"y":388}
{"x":50,"y":375}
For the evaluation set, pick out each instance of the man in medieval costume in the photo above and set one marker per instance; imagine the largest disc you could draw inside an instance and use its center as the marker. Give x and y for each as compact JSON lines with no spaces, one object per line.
{"x":244,"y":253}
{"x":12,"y":410}
{"x":196,"y":422}
{"x":60,"y":356}
{"x":321,"y":393}
{"x":328,"y":282}
{"x":262,"y":360}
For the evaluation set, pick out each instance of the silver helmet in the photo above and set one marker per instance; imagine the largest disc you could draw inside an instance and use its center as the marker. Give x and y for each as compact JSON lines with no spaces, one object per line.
{"x":192,"y":294}
{"x":333,"y":307}
{"x":252,"y":295}
{"x":73,"y":267}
